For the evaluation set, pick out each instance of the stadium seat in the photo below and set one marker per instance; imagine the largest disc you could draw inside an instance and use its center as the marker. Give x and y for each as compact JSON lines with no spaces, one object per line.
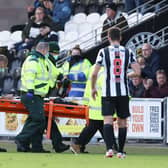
{"x":93,"y":18}
{"x":16,"y":36}
{"x":69,"y":27}
{"x":134,"y":19}
{"x":79,"y":18}
{"x":61,"y":35}
{"x":71,"y":39}
{"x":5,"y":36}
{"x":85,"y":28}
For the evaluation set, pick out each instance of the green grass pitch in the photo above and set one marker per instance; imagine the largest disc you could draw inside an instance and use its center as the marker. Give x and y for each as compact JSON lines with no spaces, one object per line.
{"x":139,"y":156}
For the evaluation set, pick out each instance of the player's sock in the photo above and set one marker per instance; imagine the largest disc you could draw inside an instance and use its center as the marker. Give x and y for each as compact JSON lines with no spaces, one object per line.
{"x":122,"y":138}
{"x":108,"y":136}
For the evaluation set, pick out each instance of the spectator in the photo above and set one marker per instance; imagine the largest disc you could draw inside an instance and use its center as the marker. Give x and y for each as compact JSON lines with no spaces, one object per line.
{"x":46,"y":4}
{"x":159,"y":91}
{"x":113,"y":18}
{"x":141,"y":61}
{"x":151,"y":61}
{"x":132,"y":4}
{"x":62,"y":11}
{"x":3,"y":65}
{"x":39,"y":26}
{"x":136,"y":87}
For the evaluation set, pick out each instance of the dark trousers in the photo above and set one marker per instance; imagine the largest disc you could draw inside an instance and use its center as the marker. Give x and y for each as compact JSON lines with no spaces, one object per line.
{"x":33,"y":129}
{"x":89,"y":131}
{"x":56,"y":136}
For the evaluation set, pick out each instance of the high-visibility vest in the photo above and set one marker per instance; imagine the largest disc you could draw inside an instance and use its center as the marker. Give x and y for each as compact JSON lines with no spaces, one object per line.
{"x":78,"y":74}
{"x":35,"y":74}
{"x":94,"y":105}
{"x":53,"y":73}
{"x":95,"y":111}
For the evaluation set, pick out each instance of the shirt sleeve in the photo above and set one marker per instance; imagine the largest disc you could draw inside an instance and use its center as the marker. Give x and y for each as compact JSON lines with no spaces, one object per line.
{"x":100,"y":58}
{"x":132,"y":58}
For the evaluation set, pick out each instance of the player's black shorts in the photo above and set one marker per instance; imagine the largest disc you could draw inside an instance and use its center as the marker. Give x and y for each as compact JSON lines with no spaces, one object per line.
{"x":118,"y":104}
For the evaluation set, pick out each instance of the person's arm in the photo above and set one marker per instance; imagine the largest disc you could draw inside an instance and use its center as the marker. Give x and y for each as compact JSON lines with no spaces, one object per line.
{"x":26,"y":31}
{"x":136,"y":70}
{"x":30,"y":70}
{"x":93,"y":81}
{"x":134,"y":65}
{"x":122,"y":23}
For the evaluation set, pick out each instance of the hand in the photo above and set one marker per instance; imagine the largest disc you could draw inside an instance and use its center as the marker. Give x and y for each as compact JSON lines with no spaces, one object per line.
{"x":44,"y":31}
{"x":94,"y":94}
{"x":29,"y":95}
{"x":27,"y":40}
{"x":147,"y":83}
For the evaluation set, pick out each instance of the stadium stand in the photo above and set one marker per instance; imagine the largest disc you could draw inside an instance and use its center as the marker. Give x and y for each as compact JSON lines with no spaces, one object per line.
{"x":85,"y":28}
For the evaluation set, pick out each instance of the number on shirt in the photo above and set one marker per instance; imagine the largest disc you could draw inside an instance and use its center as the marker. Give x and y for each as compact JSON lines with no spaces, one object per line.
{"x":117,"y":66}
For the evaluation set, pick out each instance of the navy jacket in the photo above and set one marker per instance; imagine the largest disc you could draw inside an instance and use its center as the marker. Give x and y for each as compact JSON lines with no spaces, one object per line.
{"x":152,"y":65}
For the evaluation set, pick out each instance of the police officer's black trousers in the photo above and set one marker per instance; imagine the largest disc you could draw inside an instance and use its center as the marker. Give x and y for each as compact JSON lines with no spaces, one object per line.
{"x":56,"y":136}
{"x":89,"y":131}
{"x":33,"y":129}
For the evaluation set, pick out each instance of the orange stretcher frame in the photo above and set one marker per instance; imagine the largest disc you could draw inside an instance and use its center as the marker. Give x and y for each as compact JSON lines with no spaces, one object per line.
{"x":51,"y":110}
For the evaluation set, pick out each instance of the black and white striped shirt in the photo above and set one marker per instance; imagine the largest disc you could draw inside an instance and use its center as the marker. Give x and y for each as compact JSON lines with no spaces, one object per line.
{"x":115,"y":59}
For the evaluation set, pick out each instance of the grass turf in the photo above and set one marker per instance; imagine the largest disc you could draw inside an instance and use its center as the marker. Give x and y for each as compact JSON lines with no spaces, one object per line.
{"x":137,"y":157}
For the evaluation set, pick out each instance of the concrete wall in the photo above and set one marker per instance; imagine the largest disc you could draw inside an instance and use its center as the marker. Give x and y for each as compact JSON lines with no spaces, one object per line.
{"x":13,"y":12}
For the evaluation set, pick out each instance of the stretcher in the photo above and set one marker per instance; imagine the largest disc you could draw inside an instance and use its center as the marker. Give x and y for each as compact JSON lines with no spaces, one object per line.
{"x":51,"y":110}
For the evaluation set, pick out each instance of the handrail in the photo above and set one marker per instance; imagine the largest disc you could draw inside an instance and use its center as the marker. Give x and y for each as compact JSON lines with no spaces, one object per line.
{"x":94,"y":33}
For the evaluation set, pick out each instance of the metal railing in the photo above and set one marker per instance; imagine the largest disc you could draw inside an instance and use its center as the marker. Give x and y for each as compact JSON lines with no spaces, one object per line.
{"x":95,"y":34}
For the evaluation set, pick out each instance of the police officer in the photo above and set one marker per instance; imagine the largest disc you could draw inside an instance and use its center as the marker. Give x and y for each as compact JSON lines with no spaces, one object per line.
{"x":35,"y":83}
{"x":95,"y":117}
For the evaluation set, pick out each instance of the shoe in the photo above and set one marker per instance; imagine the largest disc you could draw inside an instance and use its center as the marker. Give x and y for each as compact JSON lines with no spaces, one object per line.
{"x":121,"y":155}
{"x":3,"y":150}
{"x":40,"y":151}
{"x":21,"y":147}
{"x":109,"y":153}
{"x":62,"y":148}
{"x":82,"y":150}
{"x":75,"y":148}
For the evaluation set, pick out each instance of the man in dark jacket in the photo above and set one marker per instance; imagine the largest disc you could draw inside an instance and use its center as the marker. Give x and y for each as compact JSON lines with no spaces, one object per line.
{"x":152,"y":60}
{"x":114,"y":18}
